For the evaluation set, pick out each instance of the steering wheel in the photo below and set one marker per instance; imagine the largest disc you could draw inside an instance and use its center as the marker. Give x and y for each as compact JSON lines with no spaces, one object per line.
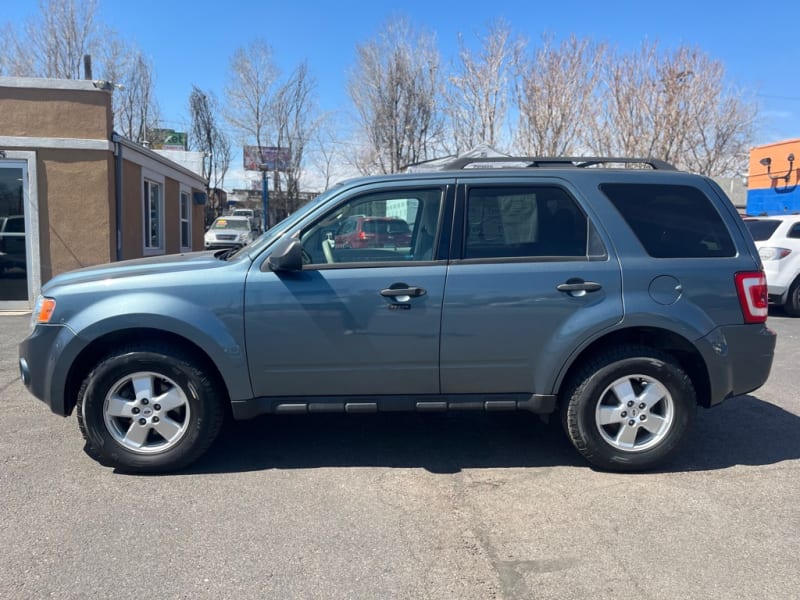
{"x":327,"y":250}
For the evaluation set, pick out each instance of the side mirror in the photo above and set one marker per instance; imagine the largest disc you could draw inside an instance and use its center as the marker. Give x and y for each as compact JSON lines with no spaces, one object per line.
{"x":287,"y":256}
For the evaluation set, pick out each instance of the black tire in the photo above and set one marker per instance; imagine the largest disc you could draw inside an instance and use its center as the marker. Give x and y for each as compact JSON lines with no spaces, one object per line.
{"x":644,"y":429}
{"x":130,"y":430}
{"x":792,"y":305}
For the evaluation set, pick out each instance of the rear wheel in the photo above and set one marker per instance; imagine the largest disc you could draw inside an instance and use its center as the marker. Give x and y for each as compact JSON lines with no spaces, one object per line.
{"x":792,"y":306}
{"x":148,"y":409}
{"x":629,"y":408}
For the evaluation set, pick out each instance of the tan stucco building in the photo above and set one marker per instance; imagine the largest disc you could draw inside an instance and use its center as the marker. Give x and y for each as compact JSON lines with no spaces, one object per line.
{"x":86,"y":195}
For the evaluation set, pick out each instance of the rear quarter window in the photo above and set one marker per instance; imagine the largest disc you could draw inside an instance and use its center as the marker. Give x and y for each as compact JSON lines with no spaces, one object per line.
{"x":672,"y":221}
{"x":761,"y":229}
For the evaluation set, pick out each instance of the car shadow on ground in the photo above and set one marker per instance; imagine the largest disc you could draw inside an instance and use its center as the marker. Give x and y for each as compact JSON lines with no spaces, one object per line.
{"x":742,"y":431}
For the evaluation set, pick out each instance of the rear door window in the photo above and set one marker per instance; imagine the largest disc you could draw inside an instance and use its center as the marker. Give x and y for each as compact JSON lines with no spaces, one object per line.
{"x":527,"y":222}
{"x":672,"y":221}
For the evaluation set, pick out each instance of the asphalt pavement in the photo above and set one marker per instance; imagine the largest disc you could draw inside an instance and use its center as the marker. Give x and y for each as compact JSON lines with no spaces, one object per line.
{"x":405,"y":506}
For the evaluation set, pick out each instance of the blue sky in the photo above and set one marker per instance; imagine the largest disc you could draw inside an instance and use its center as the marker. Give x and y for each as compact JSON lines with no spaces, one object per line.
{"x":191,"y":42}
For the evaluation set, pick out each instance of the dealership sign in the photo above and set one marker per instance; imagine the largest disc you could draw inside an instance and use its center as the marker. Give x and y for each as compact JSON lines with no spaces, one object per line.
{"x":269,"y":158}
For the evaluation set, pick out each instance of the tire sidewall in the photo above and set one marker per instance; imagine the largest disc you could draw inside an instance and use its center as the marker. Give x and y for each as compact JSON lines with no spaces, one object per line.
{"x":589,"y":395}
{"x":106,"y":375}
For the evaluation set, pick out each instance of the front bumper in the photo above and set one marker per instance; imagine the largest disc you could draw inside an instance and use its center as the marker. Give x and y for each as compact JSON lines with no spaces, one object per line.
{"x":44,"y":360}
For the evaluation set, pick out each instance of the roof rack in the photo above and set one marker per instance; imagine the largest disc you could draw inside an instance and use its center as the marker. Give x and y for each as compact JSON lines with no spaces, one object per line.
{"x":580,"y":162}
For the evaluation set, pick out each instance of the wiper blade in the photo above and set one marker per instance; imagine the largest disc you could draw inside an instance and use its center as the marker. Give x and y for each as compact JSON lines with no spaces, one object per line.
{"x":225,"y":254}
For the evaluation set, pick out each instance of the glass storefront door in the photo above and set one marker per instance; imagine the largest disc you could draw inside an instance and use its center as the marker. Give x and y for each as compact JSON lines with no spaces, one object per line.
{"x":14,"y":287}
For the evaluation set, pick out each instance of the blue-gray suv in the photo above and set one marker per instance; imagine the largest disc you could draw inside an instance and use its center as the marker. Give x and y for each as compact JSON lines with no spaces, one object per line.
{"x":619,"y":294}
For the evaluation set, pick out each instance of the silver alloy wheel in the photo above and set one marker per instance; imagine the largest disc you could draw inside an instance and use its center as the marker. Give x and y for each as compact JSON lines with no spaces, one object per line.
{"x":146,"y":412}
{"x":635,"y":413}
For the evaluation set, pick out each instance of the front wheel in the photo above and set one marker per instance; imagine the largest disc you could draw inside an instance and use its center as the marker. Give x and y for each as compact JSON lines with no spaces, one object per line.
{"x":629,"y":408}
{"x":148,"y":409}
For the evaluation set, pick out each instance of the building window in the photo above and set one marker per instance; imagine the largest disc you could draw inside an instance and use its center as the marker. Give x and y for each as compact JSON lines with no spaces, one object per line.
{"x":153,"y":217}
{"x":186,"y":220}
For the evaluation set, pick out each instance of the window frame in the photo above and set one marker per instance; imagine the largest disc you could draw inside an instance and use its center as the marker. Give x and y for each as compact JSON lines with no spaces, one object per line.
{"x":185,"y":192}
{"x":152,"y":180}
{"x":441,"y":241}
{"x":458,"y":244}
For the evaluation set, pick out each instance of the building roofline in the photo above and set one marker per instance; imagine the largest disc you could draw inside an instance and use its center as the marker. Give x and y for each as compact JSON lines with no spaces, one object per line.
{"x":153,"y":155}
{"x":50,"y":84}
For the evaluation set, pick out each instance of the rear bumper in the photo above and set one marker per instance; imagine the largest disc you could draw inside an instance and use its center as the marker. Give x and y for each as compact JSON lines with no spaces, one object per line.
{"x":739,"y":359}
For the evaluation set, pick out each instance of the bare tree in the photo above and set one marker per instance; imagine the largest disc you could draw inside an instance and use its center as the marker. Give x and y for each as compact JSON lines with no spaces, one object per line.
{"x":556,"y":96}
{"x":395,"y":88}
{"x":250,"y":92}
{"x":674,"y":106}
{"x":53,"y":44}
{"x":293,"y":110}
{"x":207,"y":137}
{"x":136,"y":108}
{"x":480,"y":87}
{"x":326,"y":150}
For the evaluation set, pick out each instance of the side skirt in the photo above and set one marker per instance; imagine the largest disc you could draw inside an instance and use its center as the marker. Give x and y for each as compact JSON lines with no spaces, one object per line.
{"x":248,"y":409}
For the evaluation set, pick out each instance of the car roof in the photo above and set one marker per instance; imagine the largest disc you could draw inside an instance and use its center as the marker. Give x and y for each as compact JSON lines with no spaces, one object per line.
{"x":585,"y":166}
{"x":772,"y":217}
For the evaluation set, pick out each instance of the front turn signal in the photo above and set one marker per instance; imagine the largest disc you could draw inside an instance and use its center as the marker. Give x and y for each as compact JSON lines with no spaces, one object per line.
{"x":43,"y":311}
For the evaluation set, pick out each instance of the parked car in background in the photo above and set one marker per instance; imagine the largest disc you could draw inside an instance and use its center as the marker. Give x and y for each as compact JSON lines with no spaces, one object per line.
{"x":229,"y":232}
{"x":618,"y":299}
{"x":778,"y":241}
{"x":12,"y":243}
{"x":373,"y":232}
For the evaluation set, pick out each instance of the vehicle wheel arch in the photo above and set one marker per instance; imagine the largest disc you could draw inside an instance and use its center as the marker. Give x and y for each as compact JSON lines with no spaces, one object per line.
{"x":102,"y":346}
{"x":682,"y":350}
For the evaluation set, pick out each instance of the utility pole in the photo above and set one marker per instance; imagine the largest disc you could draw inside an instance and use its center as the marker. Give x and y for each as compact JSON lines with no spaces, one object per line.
{"x":264,"y":199}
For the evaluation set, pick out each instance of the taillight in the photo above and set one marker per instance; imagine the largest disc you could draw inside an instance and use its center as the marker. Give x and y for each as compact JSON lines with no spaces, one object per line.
{"x":773,"y":253}
{"x":751,"y":287}
{"x":362,"y":235}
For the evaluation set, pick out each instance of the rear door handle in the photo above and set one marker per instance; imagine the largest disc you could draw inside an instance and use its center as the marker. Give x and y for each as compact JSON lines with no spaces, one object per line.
{"x":578,"y":285}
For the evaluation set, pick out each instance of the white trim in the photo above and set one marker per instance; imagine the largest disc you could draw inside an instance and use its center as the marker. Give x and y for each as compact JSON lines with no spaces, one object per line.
{"x":147,"y":159}
{"x":31,"y":210}
{"x":7,"y":141}
{"x":185,"y":189}
{"x":158,"y":180}
{"x":43,"y":83}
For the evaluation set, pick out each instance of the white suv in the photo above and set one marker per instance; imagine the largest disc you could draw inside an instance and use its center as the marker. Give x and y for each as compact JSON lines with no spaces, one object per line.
{"x":778,"y":241}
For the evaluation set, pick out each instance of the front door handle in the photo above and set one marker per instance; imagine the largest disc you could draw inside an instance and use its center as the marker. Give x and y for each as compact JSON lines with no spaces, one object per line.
{"x":396,"y":292}
{"x":578,"y":285}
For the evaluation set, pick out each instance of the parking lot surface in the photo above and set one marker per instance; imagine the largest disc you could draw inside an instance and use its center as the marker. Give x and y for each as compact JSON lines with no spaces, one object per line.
{"x":405,"y":506}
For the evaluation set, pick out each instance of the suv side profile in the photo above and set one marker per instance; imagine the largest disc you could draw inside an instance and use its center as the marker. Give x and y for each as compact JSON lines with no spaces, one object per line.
{"x":778,"y":241}
{"x":615,"y":298}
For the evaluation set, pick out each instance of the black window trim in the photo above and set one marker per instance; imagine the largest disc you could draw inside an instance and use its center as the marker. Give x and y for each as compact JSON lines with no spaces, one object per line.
{"x":443,"y":234}
{"x":457,"y":249}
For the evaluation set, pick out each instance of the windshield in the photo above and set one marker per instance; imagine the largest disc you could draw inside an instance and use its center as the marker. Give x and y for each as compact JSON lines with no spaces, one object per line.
{"x":761,"y":229}
{"x":242,"y":224}
{"x":276,"y":231}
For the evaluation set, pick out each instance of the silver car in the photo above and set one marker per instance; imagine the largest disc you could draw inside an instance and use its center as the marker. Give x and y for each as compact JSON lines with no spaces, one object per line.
{"x":229,"y":232}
